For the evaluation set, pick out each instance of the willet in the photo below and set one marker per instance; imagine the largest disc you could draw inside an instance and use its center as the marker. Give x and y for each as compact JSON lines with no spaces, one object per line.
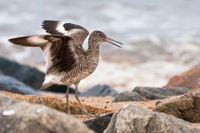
{"x":67,"y":62}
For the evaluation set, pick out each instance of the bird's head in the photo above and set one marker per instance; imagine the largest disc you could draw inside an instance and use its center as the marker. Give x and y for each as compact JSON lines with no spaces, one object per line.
{"x":100,"y":37}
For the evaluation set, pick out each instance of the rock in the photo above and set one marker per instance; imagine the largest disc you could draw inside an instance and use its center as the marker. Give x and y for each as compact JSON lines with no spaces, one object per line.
{"x":159,"y":93}
{"x":100,"y":90}
{"x":135,"y":119}
{"x":128,"y":96}
{"x":60,"y":89}
{"x":186,"y":107}
{"x":188,"y":79}
{"x":13,"y":85}
{"x":28,"y":75}
{"x":22,"y":117}
{"x":99,"y":124}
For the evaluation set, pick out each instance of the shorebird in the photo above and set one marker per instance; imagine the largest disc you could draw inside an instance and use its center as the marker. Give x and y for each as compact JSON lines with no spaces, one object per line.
{"x":67,"y":63}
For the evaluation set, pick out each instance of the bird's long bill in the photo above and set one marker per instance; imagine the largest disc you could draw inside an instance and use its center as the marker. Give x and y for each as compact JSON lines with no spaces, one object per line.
{"x":114,"y":42}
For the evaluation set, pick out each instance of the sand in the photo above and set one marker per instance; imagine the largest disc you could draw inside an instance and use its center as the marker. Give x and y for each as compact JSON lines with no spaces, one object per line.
{"x":103,"y":105}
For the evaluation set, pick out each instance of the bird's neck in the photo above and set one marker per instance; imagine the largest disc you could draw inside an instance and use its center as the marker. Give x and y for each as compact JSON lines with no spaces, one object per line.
{"x":93,"y":45}
{"x":93,"y":49}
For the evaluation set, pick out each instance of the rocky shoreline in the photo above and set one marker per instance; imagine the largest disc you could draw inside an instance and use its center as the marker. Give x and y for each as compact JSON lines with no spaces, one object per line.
{"x":172,"y":108}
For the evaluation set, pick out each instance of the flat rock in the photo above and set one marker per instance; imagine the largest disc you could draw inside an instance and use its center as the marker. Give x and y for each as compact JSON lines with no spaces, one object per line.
{"x":22,"y":117}
{"x":100,"y":90}
{"x":188,"y":79}
{"x":159,"y":93}
{"x":28,"y":75}
{"x":128,"y":96}
{"x":135,"y":119}
{"x":13,"y":85}
{"x":186,"y":107}
{"x":99,"y":124}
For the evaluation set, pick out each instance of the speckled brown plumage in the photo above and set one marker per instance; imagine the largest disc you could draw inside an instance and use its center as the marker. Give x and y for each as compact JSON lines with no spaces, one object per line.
{"x":67,"y":62}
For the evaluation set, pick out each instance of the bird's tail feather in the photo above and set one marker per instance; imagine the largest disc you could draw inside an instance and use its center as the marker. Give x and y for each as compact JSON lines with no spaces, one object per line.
{"x":45,"y":85}
{"x":31,"y":41}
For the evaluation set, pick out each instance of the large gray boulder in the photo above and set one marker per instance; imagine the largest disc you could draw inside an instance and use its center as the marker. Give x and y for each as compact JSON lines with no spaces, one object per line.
{"x":28,"y":75}
{"x":22,"y":117}
{"x":11,"y":84}
{"x":186,"y":107}
{"x":135,"y":119}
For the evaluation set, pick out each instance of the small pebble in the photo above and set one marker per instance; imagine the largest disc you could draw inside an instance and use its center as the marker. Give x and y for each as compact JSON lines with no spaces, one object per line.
{"x":158,"y":102}
{"x":107,"y":101}
{"x":150,"y":107}
{"x":145,"y":100}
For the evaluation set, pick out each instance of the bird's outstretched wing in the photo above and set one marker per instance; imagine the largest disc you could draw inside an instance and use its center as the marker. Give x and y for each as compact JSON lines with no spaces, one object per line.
{"x":76,"y":32}
{"x":59,"y":52}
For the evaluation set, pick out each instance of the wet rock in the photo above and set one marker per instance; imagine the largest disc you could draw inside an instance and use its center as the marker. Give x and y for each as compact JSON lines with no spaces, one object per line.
{"x":188,"y":79}
{"x":13,"y":85}
{"x":186,"y":107}
{"x":100,"y":90}
{"x":99,"y":124}
{"x":160,"y":93}
{"x":22,"y":117}
{"x":128,"y":96}
{"x":134,"y":119}
{"x":28,"y":75}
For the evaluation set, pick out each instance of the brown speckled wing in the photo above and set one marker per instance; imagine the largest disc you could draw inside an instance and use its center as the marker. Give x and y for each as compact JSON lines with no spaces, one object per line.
{"x":58,"y":51}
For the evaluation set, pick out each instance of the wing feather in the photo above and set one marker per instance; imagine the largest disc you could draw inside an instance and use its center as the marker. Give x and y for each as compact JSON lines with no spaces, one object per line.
{"x":76,"y":32}
{"x":59,"y":52}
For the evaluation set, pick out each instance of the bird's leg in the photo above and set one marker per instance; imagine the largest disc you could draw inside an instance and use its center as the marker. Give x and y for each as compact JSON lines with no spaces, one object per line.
{"x":67,"y":100}
{"x":76,"y":96}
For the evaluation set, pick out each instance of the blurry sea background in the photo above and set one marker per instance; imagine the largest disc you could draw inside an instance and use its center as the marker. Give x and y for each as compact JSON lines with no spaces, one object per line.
{"x":161,"y":37}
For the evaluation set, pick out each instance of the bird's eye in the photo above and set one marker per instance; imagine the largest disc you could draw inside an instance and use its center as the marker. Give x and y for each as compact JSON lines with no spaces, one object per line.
{"x":100,"y":34}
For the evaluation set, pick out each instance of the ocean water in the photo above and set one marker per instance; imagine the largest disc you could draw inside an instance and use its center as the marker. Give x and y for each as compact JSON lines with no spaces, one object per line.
{"x":161,"y":38}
